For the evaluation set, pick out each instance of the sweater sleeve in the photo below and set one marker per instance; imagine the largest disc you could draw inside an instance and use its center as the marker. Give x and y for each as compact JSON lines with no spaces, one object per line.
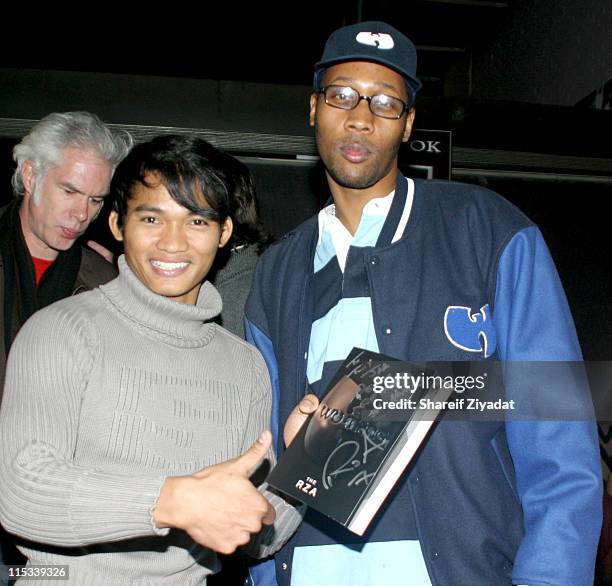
{"x":271,"y":538}
{"x":44,"y":495}
{"x":557,"y":462}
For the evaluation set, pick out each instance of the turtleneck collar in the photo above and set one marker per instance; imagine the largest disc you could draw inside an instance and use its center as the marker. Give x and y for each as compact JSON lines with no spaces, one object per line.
{"x":158,"y":317}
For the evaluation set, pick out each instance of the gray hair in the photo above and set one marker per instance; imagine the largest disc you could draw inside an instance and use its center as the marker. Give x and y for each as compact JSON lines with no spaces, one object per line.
{"x":42,"y":146}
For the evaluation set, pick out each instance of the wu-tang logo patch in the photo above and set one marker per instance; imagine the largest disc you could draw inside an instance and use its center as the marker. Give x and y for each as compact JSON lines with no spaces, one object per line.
{"x":472,"y":332}
{"x":378,"y":40}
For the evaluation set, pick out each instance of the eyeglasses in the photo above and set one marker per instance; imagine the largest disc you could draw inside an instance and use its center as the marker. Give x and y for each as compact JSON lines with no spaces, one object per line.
{"x":347,"y":98}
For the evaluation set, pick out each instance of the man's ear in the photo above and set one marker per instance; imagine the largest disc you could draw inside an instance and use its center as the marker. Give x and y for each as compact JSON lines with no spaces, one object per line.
{"x":28,"y":177}
{"x":226,"y":232}
{"x":113,"y":224}
{"x":313,"y":108}
{"x":408,"y":125}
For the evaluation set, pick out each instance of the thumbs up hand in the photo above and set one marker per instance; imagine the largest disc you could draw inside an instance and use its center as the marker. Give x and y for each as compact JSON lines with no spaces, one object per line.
{"x":218,"y":506}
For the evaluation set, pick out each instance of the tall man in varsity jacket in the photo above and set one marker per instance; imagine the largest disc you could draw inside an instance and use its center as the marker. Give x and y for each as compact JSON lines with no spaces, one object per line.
{"x":383,"y":267}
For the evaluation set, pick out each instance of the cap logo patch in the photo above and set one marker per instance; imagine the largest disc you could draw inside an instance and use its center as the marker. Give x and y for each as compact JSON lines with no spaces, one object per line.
{"x":378,"y":40}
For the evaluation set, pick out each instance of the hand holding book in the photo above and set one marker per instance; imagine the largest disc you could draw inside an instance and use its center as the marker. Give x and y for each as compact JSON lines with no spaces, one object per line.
{"x":348,"y":454}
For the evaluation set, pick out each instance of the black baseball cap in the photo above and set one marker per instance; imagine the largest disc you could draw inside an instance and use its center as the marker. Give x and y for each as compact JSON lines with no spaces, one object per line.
{"x":370,"y":41}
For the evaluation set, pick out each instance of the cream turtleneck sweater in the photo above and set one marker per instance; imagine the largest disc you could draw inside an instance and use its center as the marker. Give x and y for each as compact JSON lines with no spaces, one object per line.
{"x":107,"y":394}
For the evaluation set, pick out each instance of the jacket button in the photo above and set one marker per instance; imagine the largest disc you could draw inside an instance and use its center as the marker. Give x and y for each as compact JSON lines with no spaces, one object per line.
{"x":387,"y":330}
{"x":284,"y":566}
{"x":374,"y":260}
{"x":434,"y":555}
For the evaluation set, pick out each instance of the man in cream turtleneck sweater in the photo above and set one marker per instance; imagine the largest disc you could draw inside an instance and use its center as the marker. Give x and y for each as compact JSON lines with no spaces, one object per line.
{"x":131,"y":423}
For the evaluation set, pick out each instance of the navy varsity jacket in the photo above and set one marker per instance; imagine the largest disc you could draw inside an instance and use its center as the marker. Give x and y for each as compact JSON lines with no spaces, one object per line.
{"x":515,"y":502}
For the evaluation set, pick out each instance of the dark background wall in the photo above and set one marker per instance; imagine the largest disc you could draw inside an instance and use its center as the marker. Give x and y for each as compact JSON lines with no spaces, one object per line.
{"x":546,"y":52}
{"x":503,"y":76}
{"x":123,"y":98}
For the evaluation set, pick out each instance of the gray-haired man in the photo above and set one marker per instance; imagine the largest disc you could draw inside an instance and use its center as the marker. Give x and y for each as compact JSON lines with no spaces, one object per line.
{"x":64,"y":168}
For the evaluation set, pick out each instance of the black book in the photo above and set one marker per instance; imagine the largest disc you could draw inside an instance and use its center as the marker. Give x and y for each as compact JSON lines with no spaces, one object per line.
{"x":369,"y":426}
